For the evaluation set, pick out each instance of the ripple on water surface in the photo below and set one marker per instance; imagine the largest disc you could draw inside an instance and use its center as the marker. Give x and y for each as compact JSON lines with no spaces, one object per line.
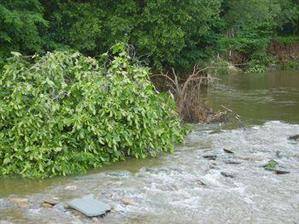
{"x":259,"y":97}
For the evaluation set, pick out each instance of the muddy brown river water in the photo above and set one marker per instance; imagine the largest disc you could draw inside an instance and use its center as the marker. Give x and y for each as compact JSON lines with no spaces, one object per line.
{"x":200,"y":182}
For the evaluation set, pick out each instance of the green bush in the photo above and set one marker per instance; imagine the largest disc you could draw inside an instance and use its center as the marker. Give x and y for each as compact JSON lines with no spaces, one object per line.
{"x":64,"y":113}
{"x":256,"y":67}
{"x":259,"y":62}
{"x":287,"y":40}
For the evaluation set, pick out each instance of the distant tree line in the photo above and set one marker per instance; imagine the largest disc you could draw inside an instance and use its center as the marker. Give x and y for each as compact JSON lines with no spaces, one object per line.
{"x":165,"y":33}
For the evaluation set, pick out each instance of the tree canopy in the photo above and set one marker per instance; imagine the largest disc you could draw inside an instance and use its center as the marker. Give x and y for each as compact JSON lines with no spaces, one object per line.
{"x":165,"y":33}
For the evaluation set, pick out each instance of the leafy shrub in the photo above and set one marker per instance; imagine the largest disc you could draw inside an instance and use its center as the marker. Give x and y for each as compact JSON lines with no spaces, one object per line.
{"x":256,"y":67}
{"x":287,"y":40}
{"x":64,"y":113}
{"x":259,"y":62}
{"x":291,"y":65}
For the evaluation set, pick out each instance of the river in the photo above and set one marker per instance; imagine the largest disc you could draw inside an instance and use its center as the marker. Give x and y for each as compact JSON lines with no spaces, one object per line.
{"x":216,"y":176}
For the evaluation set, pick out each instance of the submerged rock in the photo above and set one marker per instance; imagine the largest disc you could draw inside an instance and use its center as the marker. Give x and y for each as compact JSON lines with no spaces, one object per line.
{"x":46,"y":205}
{"x":71,"y":188}
{"x":20,"y":202}
{"x":127,"y":201}
{"x":232,"y":162}
{"x":60,"y":207}
{"x":50,"y":203}
{"x":210,"y":157}
{"x":226,"y":174}
{"x":215,"y":131}
{"x":278,"y":154}
{"x":200,"y":182}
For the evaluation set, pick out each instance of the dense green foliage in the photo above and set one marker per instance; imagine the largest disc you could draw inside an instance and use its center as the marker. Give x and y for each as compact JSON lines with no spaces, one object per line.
{"x":252,"y":25}
{"x":64,"y":113}
{"x":20,"y":24}
{"x":165,"y":33}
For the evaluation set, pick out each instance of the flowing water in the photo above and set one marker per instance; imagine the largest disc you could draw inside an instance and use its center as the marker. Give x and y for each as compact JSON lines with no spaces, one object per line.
{"x":199,"y":183}
{"x":259,"y":98}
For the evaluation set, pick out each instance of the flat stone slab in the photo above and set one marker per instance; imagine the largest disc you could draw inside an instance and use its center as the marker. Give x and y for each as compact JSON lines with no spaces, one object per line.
{"x":89,"y":206}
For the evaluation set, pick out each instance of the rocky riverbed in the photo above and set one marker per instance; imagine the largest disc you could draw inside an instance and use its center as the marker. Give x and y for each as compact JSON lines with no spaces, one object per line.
{"x":215,"y":177}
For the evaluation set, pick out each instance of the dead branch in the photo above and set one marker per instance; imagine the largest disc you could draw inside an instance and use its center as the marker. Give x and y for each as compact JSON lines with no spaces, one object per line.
{"x":187,"y":93}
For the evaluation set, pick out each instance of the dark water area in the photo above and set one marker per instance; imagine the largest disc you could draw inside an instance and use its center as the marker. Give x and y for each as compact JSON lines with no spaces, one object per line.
{"x":200,"y":182}
{"x":259,"y":97}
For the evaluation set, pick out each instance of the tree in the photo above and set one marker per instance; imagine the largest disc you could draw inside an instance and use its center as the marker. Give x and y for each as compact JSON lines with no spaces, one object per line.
{"x":20,"y":24}
{"x":165,"y":33}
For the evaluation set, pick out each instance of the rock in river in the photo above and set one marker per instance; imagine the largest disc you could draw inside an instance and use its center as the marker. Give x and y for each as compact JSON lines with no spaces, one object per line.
{"x":210,"y":157}
{"x":228,"y":151}
{"x":49,"y":203}
{"x":127,"y":201}
{"x":89,"y":206}
{"x":20,"y":202}
{"x":294,"y":137}
{"x":279,"y":172}
{"x":226,"y":174}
